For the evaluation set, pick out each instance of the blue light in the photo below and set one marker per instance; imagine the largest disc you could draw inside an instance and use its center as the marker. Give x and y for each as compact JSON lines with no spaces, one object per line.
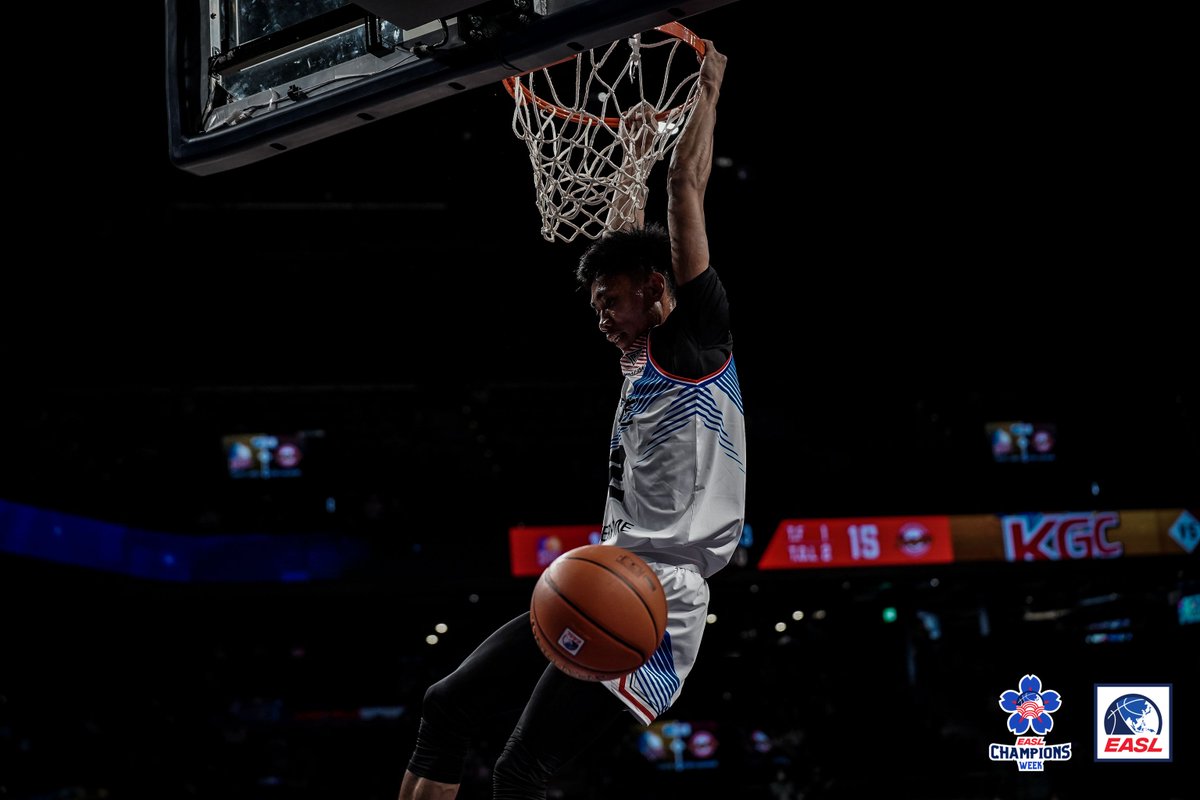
{"x":747,"y":536}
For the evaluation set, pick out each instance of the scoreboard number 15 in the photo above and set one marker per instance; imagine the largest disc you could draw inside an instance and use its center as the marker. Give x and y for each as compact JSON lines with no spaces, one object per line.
{"x":864,"y":542}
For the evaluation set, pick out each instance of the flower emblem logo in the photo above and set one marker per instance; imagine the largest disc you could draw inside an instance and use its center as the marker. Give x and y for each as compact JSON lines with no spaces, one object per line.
{"x":1030,"y":707}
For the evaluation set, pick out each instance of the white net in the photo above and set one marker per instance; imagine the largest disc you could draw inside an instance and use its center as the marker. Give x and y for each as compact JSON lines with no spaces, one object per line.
{"x":596,"y":124}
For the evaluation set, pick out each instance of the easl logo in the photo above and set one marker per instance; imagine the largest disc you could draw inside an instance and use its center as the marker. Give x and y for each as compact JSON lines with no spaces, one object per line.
{"x":1133,"y":723}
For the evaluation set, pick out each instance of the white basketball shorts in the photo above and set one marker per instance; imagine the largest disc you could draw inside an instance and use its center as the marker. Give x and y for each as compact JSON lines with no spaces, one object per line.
{"x":651,"y":690}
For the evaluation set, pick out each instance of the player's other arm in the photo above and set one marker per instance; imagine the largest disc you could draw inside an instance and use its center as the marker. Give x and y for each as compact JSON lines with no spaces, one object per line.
{"x":687,"y":179}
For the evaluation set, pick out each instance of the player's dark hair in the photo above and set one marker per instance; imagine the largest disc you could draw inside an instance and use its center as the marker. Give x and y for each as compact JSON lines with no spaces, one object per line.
{"x":635,"y":252}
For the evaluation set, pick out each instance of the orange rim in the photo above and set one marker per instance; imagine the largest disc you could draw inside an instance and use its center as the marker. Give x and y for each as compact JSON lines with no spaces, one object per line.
{"x":513,"y":83}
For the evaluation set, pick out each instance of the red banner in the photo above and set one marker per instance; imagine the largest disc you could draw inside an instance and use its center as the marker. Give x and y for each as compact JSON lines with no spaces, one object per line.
{"x":899,"y":541}
{"x":531,"y":549}
{"x":861,"y":542}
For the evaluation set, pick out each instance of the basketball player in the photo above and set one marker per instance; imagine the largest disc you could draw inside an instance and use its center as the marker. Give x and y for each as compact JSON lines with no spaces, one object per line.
{"x":676,"y":495}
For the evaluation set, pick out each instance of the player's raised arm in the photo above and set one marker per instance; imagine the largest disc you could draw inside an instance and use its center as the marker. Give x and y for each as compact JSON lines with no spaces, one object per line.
{"x":691,"y":165}
{"x":628,"y":210}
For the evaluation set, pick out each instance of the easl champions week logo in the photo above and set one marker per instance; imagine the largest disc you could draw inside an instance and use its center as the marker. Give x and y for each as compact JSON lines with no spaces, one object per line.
{"x":1029,"y":712}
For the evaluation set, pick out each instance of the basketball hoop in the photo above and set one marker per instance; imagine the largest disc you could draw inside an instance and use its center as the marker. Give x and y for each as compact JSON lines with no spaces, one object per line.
{"x":591,"y":150}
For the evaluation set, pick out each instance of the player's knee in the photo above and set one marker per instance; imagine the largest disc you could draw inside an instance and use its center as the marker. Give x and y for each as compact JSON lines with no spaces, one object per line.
{"x":520,"y":774}
{"x":443,"y":738}
{"x":438,"y":703}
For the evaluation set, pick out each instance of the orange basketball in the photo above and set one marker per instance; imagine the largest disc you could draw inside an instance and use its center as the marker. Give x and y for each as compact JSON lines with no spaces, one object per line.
{"x":598,"y":612}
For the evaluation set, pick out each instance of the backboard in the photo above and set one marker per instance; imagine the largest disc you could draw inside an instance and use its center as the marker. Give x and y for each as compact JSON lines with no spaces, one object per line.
{"x":246,"y":81}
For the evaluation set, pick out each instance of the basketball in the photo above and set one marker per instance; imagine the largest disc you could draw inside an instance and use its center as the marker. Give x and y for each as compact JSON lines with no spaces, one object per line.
{"x":598,"y":612}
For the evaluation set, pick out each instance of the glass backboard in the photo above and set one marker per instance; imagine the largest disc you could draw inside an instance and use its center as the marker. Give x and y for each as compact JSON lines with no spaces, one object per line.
{"x":247,"y":79}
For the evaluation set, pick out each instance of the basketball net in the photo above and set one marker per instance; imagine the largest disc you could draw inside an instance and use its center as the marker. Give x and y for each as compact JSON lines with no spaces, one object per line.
{"x":597,"y":122}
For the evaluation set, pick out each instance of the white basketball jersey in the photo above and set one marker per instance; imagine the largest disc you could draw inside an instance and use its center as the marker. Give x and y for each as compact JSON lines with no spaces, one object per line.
{"x":677,"y":481}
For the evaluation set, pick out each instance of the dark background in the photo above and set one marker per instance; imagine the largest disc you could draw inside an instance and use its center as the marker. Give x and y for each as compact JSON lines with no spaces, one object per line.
{"x":929,"y":222}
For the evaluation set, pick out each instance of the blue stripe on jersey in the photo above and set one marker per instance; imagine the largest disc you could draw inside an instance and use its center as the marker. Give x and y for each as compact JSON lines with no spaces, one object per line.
{"x":656,"y":680}
{"x":645,"y":390}
{"x":695,"y":400}
{"x":728,"y":381}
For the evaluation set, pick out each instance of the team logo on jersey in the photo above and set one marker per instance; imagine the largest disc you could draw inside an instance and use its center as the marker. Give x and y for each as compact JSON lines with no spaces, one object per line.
{"x":570,"y":641}
{"x":1029,"y":710}
{"x":1133,"y":722}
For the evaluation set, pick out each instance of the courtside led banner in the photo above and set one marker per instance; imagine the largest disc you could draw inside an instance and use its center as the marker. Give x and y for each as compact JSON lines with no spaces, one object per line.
{"x":902,"y":541}
{"x":532,"y":548}
{"x":1075,"y":535}
{"x":859,"y":542}
{"x":1040,"y":536}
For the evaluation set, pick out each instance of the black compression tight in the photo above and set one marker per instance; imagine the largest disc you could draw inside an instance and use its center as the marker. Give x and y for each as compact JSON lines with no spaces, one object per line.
{"x":556,"y":716}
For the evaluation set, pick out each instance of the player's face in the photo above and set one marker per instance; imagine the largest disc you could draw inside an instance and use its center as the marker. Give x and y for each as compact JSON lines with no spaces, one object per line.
{"x":625,"y":309}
